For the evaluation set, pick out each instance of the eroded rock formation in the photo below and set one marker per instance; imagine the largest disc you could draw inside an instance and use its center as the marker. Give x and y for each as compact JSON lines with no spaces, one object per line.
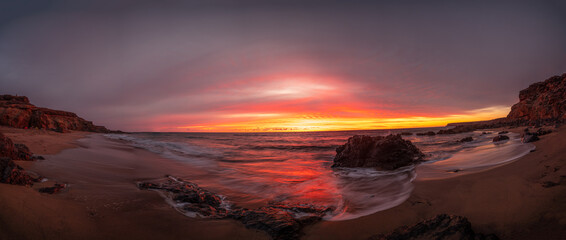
{"x":542,"y":101}
{"x":383,"y":153}
{"x":18,"y":112}
{"x":279,"y":220}
{"x":10,"y":172}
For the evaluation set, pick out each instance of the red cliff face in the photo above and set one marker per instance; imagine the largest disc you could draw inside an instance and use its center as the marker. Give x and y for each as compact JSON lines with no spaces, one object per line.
{"x":17,"y":111}
{"x":542,"y":101}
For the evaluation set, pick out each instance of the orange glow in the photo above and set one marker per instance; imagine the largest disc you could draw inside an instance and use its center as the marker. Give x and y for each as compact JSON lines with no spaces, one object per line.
{"x":306,"y":103}
{"x":321,"y":122}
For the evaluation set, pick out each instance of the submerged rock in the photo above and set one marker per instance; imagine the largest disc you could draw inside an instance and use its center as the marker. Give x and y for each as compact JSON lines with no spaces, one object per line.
{"x":383,"y":153}
{"x":442,"y":227}
{"x":406,"y":133}
{"x":500,"y":138}
{"x":279,"y":220}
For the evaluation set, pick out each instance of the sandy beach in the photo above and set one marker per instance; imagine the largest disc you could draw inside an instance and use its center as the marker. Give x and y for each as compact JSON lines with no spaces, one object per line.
{"x":103,"y":202}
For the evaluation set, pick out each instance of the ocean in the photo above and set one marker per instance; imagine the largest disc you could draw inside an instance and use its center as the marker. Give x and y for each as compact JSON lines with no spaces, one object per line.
{"x":253,"y":169}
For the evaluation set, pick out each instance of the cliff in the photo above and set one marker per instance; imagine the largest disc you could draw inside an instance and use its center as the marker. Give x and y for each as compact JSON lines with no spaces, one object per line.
{"x":18,"y":112}
{"x":542,"y":101}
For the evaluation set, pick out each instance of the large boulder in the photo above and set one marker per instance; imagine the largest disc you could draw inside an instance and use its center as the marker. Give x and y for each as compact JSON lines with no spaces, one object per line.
{"x":13,"y":151}
{"x":542,"y":101}
{"x":18,"y":112}
{"x":383,"y":153}
{"x":442,"y":227}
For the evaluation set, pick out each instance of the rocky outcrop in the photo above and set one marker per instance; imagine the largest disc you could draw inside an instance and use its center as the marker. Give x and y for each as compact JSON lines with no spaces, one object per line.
{"x":466,"y":139}
{"x":442,"y":227}
{"x":279,"y":220}
{"x":13,"y":151}
{"x":18,"y":112}
{"x":541,"y":101}
{"x":383,"y":153}
{"x":10,"y":172}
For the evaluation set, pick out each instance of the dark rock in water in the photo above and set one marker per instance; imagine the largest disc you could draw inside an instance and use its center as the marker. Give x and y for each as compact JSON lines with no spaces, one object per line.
{"x":429,"y":133}
{"x":196,"y":199}
{"x":466,"y":139}
{"x":52,"y":190}
{"x":527,"y":138}
{"x":407,"y":134}
{"x":503,"y":132}
{"x":442,"y":227}
{"x":18,"y":112}
{"x":383,"y":153}
{"x":499,"y":138}
{"x":459,"y":129}
{"x":279,"y":220}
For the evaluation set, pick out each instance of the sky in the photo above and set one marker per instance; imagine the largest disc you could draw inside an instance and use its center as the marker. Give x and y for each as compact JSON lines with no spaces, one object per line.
{"x":278,"y":65}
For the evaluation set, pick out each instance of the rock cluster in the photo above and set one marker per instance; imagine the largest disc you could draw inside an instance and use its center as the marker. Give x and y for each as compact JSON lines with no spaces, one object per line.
{"x":442,"y":227}
{"x":466,"y":139}
{"x":18,"y":112}
{"x":528,"y":136}
{"x":383,"y":153}
{"x":10,"y":172}
{"x":542,"y":101}
{"x":279,"y":220}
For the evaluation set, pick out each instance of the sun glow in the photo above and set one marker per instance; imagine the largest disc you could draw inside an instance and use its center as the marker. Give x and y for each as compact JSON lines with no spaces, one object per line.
{"x":272,"y":122}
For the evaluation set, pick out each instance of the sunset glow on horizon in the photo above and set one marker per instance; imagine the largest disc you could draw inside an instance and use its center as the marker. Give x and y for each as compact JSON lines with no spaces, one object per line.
{"x":299,"y":104}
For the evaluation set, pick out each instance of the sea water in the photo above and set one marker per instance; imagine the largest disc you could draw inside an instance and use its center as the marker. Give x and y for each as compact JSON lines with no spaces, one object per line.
{"x":252,"y":169}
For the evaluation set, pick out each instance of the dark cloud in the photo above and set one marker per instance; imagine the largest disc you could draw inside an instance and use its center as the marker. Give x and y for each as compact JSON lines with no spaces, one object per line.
{"x":118,"y":61}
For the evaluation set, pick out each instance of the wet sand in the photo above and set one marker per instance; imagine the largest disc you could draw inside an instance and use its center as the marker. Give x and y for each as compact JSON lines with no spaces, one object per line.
{"x":102,"y":201}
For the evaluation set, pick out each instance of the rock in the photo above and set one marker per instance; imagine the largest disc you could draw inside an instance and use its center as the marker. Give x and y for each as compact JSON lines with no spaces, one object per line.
{"x":527,"y":138}
{"x":466,"y":139}
{"x":458,"y":129}
{"x":18,"y":112}
{"x":279,"y":220}
{"x":383,"y":153}
{"x":13,"y":174}
{"x":406,"y":134}
{"x":52,"y":190}
{"x":429,"y":133}
{"x":542,"y":131}
{"x":499,"y":138}
{"x":541,"y":101}
{"x":13,"y":151}
{"x":503,"y":132}
{"x":442,"y":227}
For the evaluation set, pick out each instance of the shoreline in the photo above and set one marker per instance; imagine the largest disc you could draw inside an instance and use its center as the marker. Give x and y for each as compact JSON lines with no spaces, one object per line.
{"x":508,"y":200}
